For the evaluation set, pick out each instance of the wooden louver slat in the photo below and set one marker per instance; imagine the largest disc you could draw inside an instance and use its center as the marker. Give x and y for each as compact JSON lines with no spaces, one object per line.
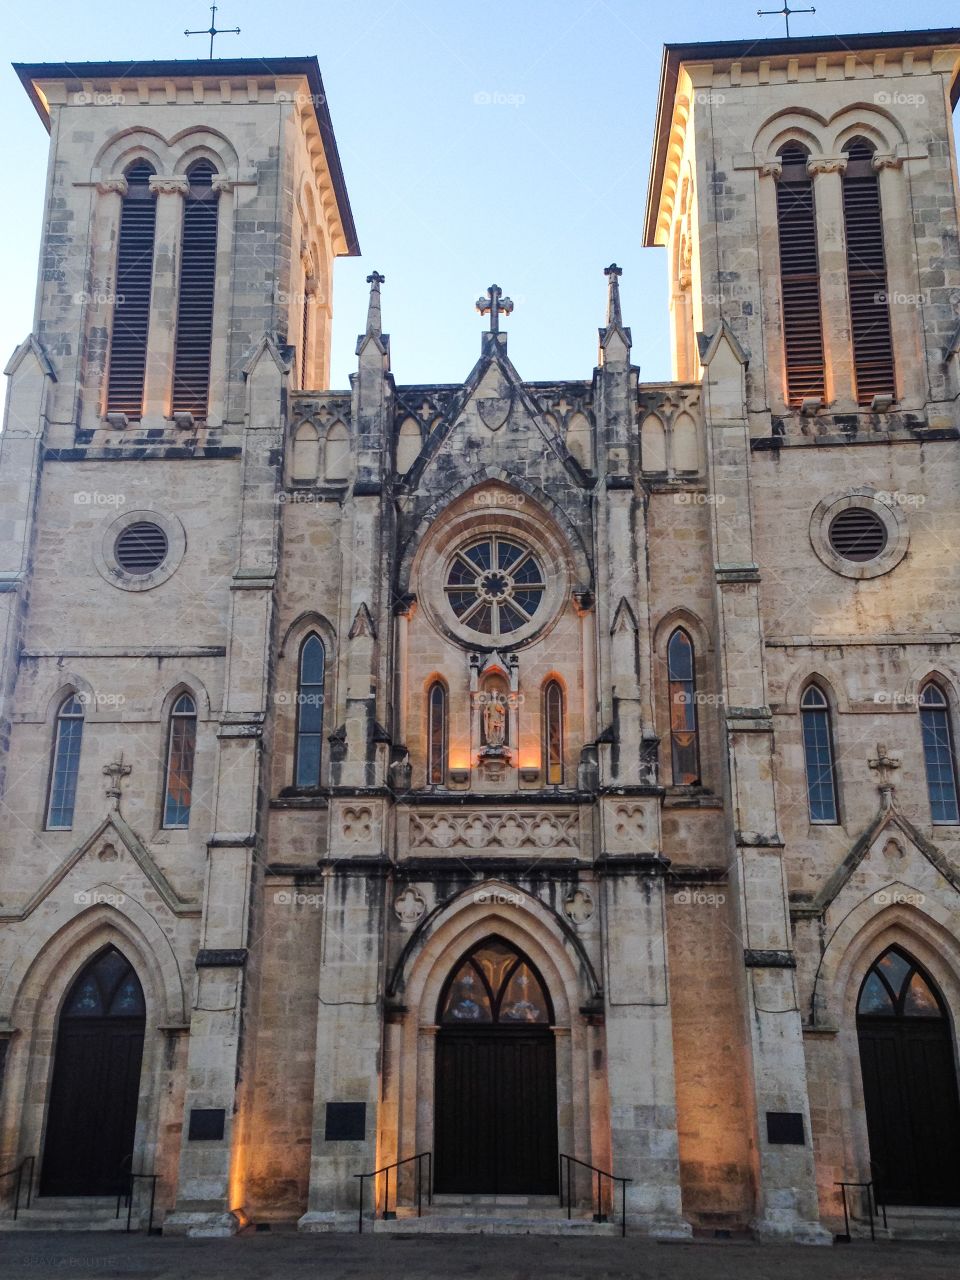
{"x":867,"y":277}
{"x":799,"y":280}
{"x":198,"y":271}
{"x":131,"y":312}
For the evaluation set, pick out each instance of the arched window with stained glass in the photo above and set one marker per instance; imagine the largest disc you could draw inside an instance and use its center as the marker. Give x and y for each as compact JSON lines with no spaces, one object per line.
{"x":181,"y":749}
{"x":939,"y":755}
{"x":495,"y":984}
{"x":65,"y":764}
{"x":684,"y":735}
{"x":818,"y":755}
{"x":310,"y":697}
{"x":437,"y":732}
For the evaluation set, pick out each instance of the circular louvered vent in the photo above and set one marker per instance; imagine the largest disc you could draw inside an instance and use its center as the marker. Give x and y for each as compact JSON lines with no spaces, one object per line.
{"x":141,"y":548}
{"x":857,"y":533}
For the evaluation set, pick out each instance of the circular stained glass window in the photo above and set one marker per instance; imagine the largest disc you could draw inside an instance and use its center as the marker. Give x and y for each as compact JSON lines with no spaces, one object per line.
{"x":495,"y":586}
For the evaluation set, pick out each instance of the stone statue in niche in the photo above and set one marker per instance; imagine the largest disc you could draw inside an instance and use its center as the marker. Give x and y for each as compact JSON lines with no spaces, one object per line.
{"x":494,"y":721}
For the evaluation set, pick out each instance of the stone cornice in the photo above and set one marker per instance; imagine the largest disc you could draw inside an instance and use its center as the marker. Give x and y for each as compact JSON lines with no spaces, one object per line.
{"x":176,"y":185}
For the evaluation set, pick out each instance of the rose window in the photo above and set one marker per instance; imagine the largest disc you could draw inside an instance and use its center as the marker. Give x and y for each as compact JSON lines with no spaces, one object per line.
{"x":495,"y":586}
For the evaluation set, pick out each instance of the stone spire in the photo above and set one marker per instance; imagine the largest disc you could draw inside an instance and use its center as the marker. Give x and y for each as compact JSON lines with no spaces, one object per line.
{"x":615,"y":338}
{"x":374,"y":280}
{"x":613,"y":274}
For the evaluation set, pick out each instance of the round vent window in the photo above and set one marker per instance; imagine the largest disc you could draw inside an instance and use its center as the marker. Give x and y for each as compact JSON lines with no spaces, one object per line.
{"x":141,"y":548}
{"x":858,"y":534}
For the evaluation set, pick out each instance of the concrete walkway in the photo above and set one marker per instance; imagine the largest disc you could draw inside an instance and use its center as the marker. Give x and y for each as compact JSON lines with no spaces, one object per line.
{"x":40,"y":1256}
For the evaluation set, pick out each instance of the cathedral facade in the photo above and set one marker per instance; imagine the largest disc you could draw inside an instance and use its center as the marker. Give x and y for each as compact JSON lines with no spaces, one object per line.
{"x":502,"y":781}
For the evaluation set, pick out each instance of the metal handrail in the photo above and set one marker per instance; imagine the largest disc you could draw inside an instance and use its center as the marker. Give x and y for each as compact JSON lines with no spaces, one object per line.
{"x":125,"y":1191}
{"x":387,"y":1212}
{"x":599,"y":1215}
{"x":874,"y":1205}
{"x":17,"y":1171}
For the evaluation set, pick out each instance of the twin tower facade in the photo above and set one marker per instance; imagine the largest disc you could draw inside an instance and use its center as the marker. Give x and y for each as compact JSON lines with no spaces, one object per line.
{"x":507,"y":771}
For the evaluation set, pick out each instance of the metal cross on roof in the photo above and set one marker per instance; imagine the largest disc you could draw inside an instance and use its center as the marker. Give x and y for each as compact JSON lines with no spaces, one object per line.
{"x":214,"y":30}
{"x":496,"y":304}
{"x":785,"y":13}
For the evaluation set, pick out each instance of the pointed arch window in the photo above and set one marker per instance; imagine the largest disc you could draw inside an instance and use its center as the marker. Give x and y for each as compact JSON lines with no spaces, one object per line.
{"x":939,"y":755}
{"x":896,"y":987}
{"x":437,"y":733}
{"x":553,"y":733}
{"x":818,"y":755}
{"x":310,"y":698}
{"x":495,"y":983}
{"x":131,"y":311}
{"x":181,"y":749}
{"x":65,"y":764}
{"x":799,"y":277}
{"x":867,"y":274}
{"x":684,"y":734}
{"x":198,"y":273}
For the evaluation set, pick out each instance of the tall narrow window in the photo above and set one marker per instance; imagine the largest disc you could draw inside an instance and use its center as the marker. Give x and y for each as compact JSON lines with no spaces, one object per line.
{"x":65,"y":764}
{"x":437,"y":734}
{"x":310,"y":712}
{"x":553,"y":732}
{"x":181,"y":747}
{"x":818,"y":755}
{"x":799,"y":277}
{"x":684,"y":744}
{"x":867,"y":275}
{"x":939,"y":755}
{"x":305,"y":335}
{"x":131,"y":309}
{"x":198,"y":273}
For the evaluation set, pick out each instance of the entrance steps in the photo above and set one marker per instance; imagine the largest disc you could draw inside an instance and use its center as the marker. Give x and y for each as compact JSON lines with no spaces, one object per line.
{"x":914,"y":1222}
{"x":494,"y":1215}
{"x":67,"y":1213}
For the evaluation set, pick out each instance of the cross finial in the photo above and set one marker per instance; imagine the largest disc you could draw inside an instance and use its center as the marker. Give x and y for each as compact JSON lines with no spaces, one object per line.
{"x":613,"y":274}
{"x":496,"y":304}
{"x":884,"y":765}
{"x":214,"y":30}
{"x":116,"y":772}
{"x":785,"y":13}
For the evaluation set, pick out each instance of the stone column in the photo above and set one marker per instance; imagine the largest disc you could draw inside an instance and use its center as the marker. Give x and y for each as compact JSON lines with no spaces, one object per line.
{"x":905,"y":299}
{"x":223,"y":289}
{"x":162,"y":330}
{"x":100,"y":303}
{"x":834,"y":300}
{"x":787,"y":1194}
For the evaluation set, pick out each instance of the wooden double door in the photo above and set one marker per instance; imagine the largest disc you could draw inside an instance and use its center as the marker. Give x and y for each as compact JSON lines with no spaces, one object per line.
{"x":909,"y":1084}
{"x":94,"y":1094}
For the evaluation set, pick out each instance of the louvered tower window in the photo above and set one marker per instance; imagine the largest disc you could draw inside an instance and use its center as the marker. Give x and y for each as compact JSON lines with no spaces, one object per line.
{"x":867,"y":275}
{"x":198,"y":273}
{"x":799,"y":277}
{"x":131,"y":312}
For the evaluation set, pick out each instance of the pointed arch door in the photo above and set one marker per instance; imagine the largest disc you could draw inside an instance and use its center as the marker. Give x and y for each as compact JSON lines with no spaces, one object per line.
{"x":909,"y":1084}
{"x":495,"y":1117}
{"x":92,"y":1114}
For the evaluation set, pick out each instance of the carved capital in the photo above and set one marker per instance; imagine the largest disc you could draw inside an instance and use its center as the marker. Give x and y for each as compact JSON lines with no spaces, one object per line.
{"x":118,"y":184}
{"x":826,"y":164}
{"x":885,"y":160}
{"x":178,"y":185}
{"x":219,"y":183}
{"x":770,"y":169}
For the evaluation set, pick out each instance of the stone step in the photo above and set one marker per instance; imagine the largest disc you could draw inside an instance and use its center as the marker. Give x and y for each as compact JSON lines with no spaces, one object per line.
{"x":68,"y":1213}
{"x":907,"y":1223}
{"x":491,"y":1223}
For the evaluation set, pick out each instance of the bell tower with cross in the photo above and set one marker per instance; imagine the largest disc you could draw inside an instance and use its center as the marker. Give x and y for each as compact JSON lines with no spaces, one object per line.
{"x":495,"y":304}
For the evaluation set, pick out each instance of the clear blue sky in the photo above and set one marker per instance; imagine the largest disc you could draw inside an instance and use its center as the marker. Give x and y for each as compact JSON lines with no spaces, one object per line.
{"x":537,"y":189}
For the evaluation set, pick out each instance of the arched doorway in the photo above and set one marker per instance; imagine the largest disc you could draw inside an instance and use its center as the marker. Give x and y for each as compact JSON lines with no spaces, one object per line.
{"x":909,"y":1083}
{"x":496,"y":1077}
{"x":92,"y":1115}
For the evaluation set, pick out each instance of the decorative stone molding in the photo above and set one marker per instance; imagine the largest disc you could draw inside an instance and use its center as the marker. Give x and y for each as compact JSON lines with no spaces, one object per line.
{"x":410,"y":906}
{"x":771,"y":169}
{"x":579,"y":906}
{"x":220,"y":183}
{"x":118,"y":184}
{"x":826,"y":164}
{"x":213,"y":958}
{"x":518,"y":831}
{"x":177,"y":185}
{"x":885,"y":160}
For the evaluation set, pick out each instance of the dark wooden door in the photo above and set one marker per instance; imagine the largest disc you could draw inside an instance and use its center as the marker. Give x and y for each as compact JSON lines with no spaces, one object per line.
{"x":92,"y":1114}
{"x":909,"y":1085}
{"x":496,"y":1112}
